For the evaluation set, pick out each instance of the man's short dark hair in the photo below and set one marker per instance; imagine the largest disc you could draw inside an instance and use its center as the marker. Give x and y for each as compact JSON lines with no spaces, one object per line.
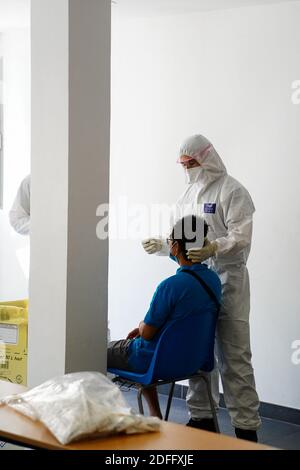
{"x":186,"y":232}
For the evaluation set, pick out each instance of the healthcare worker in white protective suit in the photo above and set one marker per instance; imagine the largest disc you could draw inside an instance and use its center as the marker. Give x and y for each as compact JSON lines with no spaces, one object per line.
{"x":19,"y":215}
{"x":228,"y":209}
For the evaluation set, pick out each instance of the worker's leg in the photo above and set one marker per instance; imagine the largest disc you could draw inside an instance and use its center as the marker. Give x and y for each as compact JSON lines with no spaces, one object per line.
{"x":151,"y":398}
{"x":234,"y":354}
{"x":237,"y":374}
{"x":234,"y":361}
{"x":198,"y":402}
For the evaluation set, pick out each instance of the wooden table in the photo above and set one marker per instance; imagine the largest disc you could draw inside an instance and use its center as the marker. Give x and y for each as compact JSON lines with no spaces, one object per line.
{"x":22,"y":431}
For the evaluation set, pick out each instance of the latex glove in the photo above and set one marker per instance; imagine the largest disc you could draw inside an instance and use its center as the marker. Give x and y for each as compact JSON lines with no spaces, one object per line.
{"x":152,"y":245}
{"x":198,"y":255}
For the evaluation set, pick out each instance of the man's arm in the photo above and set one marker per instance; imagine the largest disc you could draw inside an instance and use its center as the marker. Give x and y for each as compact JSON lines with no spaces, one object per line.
{"x":133,"y":334}
{"x":158,"y":313}
{"x":147,"y":332}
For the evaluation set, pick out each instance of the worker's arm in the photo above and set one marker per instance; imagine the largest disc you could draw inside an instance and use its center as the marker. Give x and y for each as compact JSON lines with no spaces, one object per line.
{"x":19,"y":215}
{"x":20,"y":221}
{"x":147,"y":332}
{"x":238,"y":210}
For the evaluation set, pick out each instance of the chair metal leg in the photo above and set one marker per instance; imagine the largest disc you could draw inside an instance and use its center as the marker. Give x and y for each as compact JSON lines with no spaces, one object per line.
{"x":211,"y":401}
{"x":169,"y":401}
{"x":140,"y":400}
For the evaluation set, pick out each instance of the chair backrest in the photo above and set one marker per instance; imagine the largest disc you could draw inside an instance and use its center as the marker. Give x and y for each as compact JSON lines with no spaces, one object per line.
{"x":184,"y":347}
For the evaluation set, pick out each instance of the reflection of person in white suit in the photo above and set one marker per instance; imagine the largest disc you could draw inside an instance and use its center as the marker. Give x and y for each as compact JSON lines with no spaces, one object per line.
{"x":19,"y":215}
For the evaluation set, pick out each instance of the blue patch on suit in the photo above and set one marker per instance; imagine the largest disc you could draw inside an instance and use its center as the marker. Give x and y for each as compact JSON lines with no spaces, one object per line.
{"x":210,"y":208}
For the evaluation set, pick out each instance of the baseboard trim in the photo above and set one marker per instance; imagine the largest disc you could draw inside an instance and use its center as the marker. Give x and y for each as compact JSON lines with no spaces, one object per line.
{"x":267,"y":410}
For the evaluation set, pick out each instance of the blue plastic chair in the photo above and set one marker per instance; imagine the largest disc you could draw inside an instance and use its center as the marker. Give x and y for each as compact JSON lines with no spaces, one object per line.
{"x":184,"y":350}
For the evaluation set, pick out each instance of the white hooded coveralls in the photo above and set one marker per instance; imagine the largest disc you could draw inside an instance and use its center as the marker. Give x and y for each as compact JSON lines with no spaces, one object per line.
{"x":228,"y":209}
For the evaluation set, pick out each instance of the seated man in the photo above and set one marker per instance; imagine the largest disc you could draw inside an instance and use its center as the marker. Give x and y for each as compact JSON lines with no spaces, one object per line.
{"x":174,"y":298}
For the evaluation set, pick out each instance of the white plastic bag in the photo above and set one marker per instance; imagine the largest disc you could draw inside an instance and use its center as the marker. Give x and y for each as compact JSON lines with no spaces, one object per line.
{"x":79,"y":405}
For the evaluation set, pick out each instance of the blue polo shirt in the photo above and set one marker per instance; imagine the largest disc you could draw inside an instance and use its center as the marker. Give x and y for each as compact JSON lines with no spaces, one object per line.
{"x":174,"y":298}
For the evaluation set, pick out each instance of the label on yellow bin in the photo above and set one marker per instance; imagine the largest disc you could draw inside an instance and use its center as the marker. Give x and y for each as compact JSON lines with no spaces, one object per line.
{"x":13,"y":341}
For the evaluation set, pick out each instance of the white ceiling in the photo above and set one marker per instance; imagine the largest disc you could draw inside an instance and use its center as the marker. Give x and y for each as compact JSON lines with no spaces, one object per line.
{"x":170,"y":7}
{"x":14,"y":14}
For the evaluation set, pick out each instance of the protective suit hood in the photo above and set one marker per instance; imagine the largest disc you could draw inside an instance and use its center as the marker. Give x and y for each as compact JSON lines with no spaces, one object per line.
{"x":199,"y":148}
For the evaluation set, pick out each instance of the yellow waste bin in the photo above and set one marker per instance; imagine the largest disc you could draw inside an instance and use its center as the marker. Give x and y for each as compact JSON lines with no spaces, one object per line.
{"x":14,"y":341}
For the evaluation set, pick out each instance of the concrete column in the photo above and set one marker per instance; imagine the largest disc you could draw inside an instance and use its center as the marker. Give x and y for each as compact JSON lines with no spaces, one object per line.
{"x":70,"y":178}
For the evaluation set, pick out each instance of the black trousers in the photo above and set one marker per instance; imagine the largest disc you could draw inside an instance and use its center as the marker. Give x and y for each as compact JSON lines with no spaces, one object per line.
{"x":117,"y":355}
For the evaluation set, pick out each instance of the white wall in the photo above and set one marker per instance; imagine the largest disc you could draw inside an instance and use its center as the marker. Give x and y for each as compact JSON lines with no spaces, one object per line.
{"x":228,"y":75}
{"x":16,"y":97}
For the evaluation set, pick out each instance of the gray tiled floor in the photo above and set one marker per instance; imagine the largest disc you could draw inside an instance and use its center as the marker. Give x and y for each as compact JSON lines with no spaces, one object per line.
{"x":274,"y":433}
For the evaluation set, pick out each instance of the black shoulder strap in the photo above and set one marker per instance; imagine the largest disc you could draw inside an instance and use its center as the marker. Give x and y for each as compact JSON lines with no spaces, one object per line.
{"x":204,"y":285}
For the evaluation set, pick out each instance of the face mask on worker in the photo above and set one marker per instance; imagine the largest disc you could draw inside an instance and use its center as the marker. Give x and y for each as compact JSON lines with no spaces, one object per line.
{"x":194,"y":174}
